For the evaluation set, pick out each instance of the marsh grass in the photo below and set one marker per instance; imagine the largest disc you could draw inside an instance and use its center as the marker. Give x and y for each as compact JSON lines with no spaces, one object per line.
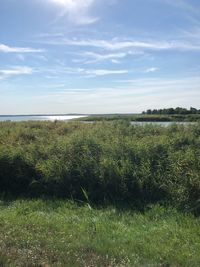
{"x":114,"y":162}
{"x":60,"y":233}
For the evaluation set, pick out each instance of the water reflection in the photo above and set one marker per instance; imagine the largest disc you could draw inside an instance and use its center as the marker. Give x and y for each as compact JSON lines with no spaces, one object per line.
{"x":41,"y":118}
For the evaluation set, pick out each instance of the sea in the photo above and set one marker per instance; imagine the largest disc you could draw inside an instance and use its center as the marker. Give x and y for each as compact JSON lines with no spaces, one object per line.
{"x":40,"y":117}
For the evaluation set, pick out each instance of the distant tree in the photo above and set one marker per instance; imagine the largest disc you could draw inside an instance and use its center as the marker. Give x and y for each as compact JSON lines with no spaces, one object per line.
{"x":149,"y":111}
{"x":171,"y":111}
{"x":193,"y":110}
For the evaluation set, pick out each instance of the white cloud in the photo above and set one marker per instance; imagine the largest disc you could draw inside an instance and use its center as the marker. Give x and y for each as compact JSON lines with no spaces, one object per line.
{"x":105,"y":72}
{"x":56,"y":71}
{"x":8,"y":49}
{"x":151,"y":70}
{"x":115,"y":61}
{"x":77,"y":11}
{"x":91,"y":57}
{"x":94,"y":72}
{"x":99,"y":57}
{"x":14,"y":71}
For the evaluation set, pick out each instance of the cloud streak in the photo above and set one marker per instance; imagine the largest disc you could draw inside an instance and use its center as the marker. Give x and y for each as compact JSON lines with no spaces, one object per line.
{"x":11,"y":49}
{"x":15,"y":71}
{"x":94,"y":72}
{"x":92,"y":57}
{"x":117,"y":44}
{"x":79,"y":72}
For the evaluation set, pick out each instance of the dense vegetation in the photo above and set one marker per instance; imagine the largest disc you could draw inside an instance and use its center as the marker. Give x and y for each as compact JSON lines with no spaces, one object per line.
{"x":170,"y":111}
{"x":99,"y":194}
{"x":113,"y":162}
{"x":59,"y":233}
{"x":145,"y":117}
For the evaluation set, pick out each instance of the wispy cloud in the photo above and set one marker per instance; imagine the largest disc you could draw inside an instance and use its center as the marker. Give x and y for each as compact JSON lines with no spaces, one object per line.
{"x":117,"y":44}
{"x":14,"y":71}
{"x":193,"y":33}
{"x":163,"y":84}
{"x":94,"y":72}
{"x":11,"y":49}
{"x":79,"y":72}
{"x":102,"y":72}
{"x":77,"y":11}
{"x":91,"y":57}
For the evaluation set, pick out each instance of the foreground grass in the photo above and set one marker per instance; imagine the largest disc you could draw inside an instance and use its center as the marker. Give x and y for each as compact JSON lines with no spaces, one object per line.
{"x":59,"y":233}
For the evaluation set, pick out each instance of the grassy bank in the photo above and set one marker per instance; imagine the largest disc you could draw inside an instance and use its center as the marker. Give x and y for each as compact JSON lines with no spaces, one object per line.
{"x":145,"y":117}
{"x":59,"y":233}
{"x":114,"y":162}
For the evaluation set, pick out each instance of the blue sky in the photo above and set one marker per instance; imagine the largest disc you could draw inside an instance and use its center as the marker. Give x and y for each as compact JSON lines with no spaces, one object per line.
{"x":98,"y":56}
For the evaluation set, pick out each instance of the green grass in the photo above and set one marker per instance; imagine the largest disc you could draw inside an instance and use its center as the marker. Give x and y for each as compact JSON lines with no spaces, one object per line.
{"x":60,"y":233}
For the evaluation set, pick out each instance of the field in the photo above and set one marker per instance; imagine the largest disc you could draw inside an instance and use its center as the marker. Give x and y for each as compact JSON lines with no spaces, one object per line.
{"x":100,"y":194}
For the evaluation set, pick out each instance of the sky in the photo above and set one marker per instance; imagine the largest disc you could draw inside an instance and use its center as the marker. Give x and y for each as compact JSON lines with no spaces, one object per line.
{"x":98,"y":56}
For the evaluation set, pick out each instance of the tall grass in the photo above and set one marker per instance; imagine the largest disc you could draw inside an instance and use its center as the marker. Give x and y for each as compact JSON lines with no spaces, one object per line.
{"x":114,"y":162}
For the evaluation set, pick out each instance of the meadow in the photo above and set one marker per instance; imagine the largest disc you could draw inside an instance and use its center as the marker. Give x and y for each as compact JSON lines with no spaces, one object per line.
{"x":99,"y":194}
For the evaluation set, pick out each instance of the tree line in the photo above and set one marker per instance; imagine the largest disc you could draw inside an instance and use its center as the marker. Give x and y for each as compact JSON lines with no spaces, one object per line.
{"x":171,"y":111}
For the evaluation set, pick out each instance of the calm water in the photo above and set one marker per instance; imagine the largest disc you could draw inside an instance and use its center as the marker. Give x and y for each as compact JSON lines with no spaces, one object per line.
{"x":41,"y":118}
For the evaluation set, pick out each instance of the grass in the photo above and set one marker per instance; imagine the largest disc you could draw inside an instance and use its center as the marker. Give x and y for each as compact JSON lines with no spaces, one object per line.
{"x":60,"y":233}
